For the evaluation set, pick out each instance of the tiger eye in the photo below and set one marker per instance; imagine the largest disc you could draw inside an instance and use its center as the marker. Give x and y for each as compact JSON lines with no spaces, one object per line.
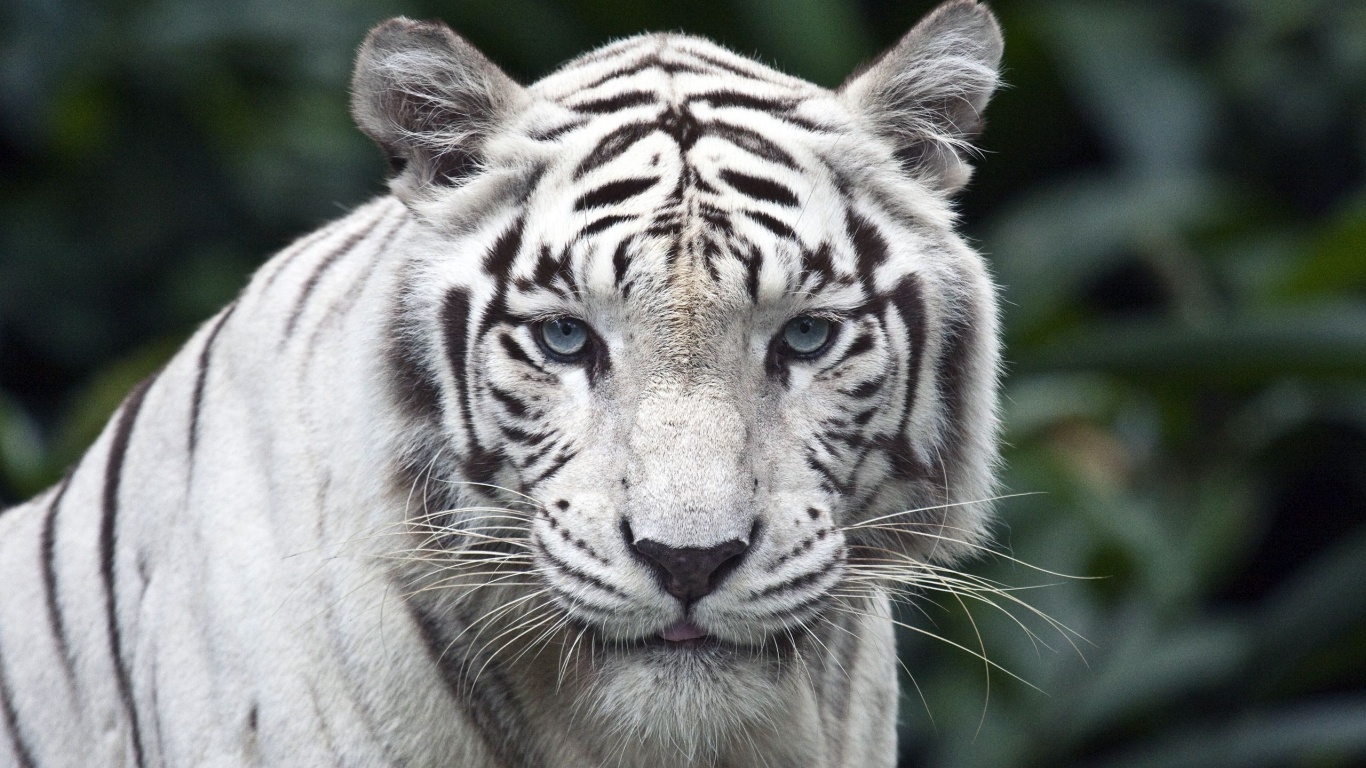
{"x":807,"y":335}
{"x":564,"y":337}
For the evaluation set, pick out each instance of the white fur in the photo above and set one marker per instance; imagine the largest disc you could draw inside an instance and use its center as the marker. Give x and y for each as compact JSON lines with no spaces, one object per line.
{"x":306,"y":569}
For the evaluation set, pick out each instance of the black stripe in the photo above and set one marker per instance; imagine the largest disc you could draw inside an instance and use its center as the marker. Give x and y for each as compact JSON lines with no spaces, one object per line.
{"x":514,"y":405}
{"x":614,"y":192}
{"x":620,"y":261}
{"x":771,"y":224}
{"x":734,"y":69}
{"x":869,"y":246}
{"x":828,"y":477}
{"x":495,"y":712}
{"x":754,"y":265}
{"x":323,"y":266}
{"x":498,"y":261}
{"x":751,"y":141}
{"x":759,"y":188}
{"x":612,"y":146}
{"x":953,"y":375}
{"x":780,"y":109}
{"x":291,"y":253}
{"x":455,"y":324}
{"x":818,"y":264}
{"x":553,"y":133}
{"x":516,"y":352}
{"x":11,"y":720}
{"x":48,"y":542}
{"x":576,"y":574}
{"x":553,"y":469}
{"x":414,"y":388}
{"x":865,"y":390}
{"x":625,"y":71}
{"x":745,"y":101}
{"x":202,"y":376}
{"x":861,"y":344}
{"x":598,"y":225}
{"x":909,"y":302}
{"x":616,"y":102}
{"x":118,"y":451}
{"x":797,"y":582}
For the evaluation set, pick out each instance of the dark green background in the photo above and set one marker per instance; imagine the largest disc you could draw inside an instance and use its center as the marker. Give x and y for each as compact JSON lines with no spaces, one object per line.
{"x":1171,"y":193}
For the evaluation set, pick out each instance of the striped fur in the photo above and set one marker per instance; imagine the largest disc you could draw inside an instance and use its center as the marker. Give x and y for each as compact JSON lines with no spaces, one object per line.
{"x":367,"y":517}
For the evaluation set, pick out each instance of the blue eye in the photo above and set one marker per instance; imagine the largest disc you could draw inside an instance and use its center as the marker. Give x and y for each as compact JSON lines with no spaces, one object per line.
{"x":807,"y":335}
{"x":564,"y":337}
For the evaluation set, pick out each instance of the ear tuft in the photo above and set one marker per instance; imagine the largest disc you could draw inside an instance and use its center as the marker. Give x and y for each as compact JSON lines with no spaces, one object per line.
{"x":927,"y":93}
{"x":430,"y":100}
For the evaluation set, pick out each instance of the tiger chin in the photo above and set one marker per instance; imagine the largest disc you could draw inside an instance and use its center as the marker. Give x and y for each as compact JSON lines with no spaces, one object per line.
{"x":604,"y":439}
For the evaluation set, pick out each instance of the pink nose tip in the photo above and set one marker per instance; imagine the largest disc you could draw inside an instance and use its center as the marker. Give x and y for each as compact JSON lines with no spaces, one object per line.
{"x":681,"y":631}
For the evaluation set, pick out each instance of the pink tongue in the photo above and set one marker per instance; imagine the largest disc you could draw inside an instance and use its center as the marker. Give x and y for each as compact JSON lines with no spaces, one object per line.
{"x":683,"y":630}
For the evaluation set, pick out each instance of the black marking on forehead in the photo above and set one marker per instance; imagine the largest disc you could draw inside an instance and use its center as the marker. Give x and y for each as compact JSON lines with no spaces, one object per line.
{"x":620,"y":261}
{"x":598,"y":225}
{"x":870,"y":247}
{"x":752,"y":142}
{"x":759,"y":188}
{"x":744,"y":101}
{"x":771,"y":224}
{"x":616,"y":102}
{"x":818,"y":269}
{"x":612,"y":146}
{"x":681,"y":125}
{"x":713,"y":215}
{"x":648,"y":62}
{"x":614,"y":192}
{"x":498,"y":261}
{"x":549,"y":270}
{"x":754,"y":265}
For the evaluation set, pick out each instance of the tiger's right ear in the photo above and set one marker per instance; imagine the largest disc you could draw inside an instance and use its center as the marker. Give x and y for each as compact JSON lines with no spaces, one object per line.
{"x":430,"y":100}
{"x":926,"y":95}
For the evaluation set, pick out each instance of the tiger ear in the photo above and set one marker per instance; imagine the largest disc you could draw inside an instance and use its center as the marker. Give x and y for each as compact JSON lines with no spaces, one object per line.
{"x":430,"y":100}
{"x":926,"y":94}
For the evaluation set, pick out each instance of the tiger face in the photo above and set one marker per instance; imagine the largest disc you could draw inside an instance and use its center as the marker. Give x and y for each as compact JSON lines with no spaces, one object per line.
{"x":701,"y":335}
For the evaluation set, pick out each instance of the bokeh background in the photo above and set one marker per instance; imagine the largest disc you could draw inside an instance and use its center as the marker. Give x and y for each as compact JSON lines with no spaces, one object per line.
{"x":1171,"y":193}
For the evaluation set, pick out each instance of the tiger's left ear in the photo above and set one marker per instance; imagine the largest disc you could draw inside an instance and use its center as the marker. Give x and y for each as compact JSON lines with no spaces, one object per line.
{"x":431,"y":101}
{"x":926,"y":94}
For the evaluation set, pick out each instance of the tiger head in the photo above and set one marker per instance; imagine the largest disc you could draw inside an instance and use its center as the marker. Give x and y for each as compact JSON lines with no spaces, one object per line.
{"x":688,"y":345}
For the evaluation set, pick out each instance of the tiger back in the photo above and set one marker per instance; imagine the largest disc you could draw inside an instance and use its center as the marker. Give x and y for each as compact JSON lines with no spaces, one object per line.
{"x":602,"y":440}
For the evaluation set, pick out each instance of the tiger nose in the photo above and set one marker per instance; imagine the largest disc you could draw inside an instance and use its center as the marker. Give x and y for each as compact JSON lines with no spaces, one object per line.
{"x":691,"y":573}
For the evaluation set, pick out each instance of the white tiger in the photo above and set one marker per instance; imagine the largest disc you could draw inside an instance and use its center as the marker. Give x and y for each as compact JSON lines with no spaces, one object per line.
{"x":600,"y":442}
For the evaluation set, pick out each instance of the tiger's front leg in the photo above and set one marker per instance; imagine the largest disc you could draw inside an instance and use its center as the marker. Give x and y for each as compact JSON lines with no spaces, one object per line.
{"x":858,"y":688}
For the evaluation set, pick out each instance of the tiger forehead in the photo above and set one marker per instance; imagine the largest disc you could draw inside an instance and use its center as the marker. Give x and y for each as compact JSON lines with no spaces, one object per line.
{"x":670,"y":61}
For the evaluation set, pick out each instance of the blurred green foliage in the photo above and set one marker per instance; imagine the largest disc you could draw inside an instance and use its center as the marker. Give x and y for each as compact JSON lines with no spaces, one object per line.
{"x":1171,"y":193}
